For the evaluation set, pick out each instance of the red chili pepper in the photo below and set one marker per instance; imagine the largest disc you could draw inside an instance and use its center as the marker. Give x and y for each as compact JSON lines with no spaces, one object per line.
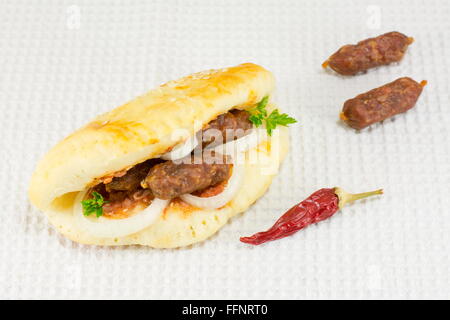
{"x":319,"y":206}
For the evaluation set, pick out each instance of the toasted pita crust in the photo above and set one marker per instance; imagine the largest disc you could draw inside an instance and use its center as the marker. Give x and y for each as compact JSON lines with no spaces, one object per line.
{"x":182,"y":224}
{"x":142,"y":129}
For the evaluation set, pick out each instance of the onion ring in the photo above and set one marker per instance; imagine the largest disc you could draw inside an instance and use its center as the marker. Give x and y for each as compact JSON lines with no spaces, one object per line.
{"x":228,"y":193}
{"x":181,"y":150}
{"x":234,"y":147}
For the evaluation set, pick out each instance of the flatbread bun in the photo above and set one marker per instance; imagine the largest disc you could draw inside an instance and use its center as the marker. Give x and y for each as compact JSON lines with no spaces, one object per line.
{"x":141,"y":129}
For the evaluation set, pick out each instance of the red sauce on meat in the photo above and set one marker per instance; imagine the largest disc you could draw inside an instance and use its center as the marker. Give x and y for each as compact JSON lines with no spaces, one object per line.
{"x":211,"y":191}
{"x":123,"y":208}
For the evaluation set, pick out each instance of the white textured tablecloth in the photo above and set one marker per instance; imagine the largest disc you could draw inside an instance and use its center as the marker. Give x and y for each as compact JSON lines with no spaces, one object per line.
{"x":62,"y":62}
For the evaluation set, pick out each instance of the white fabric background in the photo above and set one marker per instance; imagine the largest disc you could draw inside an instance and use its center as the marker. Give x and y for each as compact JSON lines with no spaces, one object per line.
{"x":58,"y":71}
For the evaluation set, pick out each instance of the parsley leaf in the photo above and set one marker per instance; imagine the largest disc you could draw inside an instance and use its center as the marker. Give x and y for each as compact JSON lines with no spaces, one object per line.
{"x":275,"y":118}
{"x":93,"y":205}
{"x":258,"y":115}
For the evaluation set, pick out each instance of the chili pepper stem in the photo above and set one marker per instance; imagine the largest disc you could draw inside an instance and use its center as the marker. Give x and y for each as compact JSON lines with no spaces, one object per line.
{"x":345,"y":197}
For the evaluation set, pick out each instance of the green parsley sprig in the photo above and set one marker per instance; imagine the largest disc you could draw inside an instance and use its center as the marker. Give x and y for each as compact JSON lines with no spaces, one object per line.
{"x":93,"y":205}
{"x":258,"y":116}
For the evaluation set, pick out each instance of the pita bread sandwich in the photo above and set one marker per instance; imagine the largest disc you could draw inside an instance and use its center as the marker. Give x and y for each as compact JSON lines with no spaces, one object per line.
{"x":169,"y":168}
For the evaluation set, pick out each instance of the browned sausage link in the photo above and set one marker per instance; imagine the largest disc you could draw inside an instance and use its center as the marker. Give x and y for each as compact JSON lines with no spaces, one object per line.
{"x":169,"y":180}
{"x":231,"y":125}
{"x":132,"y":179}
{"x":370,"y":53}
{"x":381,"y":103}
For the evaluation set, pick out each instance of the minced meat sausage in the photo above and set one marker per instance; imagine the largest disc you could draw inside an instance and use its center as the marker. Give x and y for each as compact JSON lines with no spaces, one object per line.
{"x":132,"y":179}
{"x":370,"y":53}
{"x":381,"y":103}
{"x":169,"y":179}
{"x":231,"y":125}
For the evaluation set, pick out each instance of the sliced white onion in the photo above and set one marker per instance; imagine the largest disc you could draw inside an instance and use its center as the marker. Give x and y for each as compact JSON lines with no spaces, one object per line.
{"x":228,"y":193}
{"x":234,"y":147}
{"x":108,"y":228}
{"x":181,"y":150}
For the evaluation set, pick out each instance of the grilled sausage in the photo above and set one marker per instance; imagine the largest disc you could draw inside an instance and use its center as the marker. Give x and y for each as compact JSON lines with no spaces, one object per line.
{"x":133,"y":177}
{"x":230,"y":125}
{"x":370,"y":53}
{"x":169,"y":180}
{"x":381,"y":103}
